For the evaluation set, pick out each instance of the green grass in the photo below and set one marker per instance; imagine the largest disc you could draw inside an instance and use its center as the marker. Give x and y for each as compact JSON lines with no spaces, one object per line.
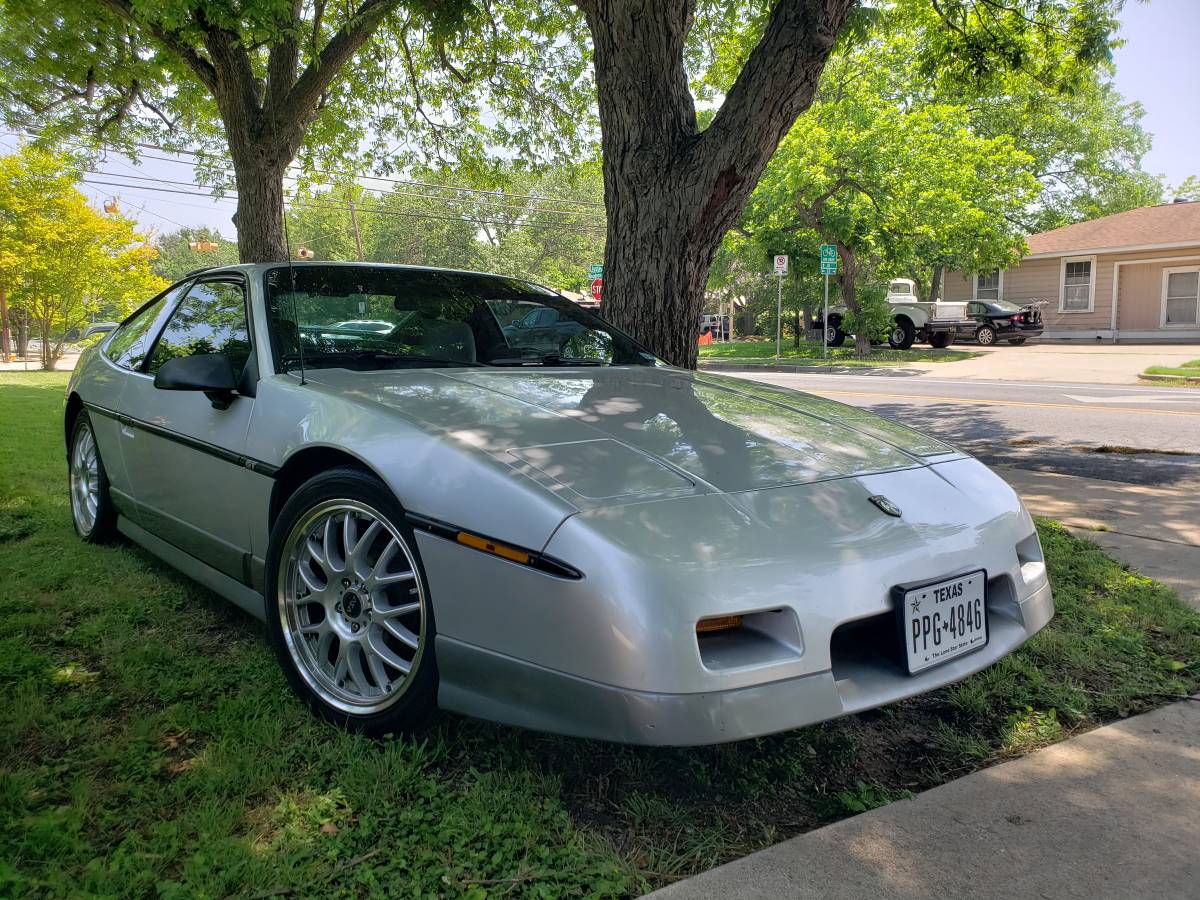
{"x":810,"y":354}
{"x":149,"y":745}
{"x":1190,"y":369}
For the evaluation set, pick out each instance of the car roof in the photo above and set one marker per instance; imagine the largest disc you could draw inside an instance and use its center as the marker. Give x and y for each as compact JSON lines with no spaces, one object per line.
{"x":251,"y":268}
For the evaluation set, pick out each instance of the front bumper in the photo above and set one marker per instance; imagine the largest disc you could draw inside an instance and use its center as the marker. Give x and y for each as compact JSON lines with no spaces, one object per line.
{"x":493,"y":686}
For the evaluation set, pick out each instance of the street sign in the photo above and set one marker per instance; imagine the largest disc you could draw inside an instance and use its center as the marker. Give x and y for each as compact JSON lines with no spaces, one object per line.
{"x":829,"y":259}
{"x":597,"y":288}
{"x":781,"y":264}
{"x":595,"y":272}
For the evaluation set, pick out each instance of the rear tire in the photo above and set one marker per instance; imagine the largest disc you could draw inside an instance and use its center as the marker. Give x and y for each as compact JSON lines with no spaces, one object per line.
{"x":902,"y":335}
{"x":1017,"y":342}
{"x":834,"y":336}
{"x":986,"y":335}
{"x":941,"y":339}
{"x":92,"y":510}
{"x":347,"y":608}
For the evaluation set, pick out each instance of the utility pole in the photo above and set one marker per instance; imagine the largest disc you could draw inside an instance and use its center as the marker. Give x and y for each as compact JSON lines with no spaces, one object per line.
{"x":5,"y":345}
{"x":357,"y":236}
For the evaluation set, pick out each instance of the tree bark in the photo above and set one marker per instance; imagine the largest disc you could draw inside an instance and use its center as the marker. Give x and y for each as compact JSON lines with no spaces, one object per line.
{"x":260,"y":207}
{"x":671,"y":191}
{"x":848,"y":284}
{"x":5,"y":342}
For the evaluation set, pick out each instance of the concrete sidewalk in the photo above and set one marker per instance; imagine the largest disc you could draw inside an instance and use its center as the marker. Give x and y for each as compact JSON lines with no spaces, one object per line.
{"x":1153,"y":529}
{"x":1111,"y":813}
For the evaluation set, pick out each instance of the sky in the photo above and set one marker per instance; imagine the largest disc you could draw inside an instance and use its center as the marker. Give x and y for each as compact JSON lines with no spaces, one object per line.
{"x":1159,"y":66}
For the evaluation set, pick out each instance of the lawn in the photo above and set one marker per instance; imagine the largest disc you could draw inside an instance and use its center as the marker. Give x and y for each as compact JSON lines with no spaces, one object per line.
{"x":809,"y":354}
{"x":1190,"y":369}
{"x":148,"y":744}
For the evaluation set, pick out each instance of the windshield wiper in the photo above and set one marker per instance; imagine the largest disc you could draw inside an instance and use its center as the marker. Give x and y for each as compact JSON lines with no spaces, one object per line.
{"x":373,"y":356}
{"x":547,"y":359}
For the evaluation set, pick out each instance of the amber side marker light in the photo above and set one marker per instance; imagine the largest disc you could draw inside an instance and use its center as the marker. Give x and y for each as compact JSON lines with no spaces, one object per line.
{"x":718,"y":623}
{"x":475,"y":542}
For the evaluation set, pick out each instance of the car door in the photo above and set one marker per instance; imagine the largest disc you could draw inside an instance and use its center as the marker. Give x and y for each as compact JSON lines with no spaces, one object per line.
{"x":182,"y":452}
{"x":119,"y":356}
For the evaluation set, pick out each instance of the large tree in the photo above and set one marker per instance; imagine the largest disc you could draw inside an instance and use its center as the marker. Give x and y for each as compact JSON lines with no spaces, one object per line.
{"x":263,"y":81}
{"x":672,"y":188}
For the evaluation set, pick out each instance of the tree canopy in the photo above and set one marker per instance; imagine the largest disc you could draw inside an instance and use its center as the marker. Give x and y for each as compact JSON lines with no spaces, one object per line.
{"x":62,"y":262}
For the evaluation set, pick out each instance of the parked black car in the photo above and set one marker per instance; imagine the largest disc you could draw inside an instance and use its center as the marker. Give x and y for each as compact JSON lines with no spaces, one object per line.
{"x":1001,"y":320}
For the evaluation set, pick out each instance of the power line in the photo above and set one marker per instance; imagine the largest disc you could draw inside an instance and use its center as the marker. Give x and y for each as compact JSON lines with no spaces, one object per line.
{"x":424,"y":184}
{"x":491,"y":206}
{"x":375,"y":209}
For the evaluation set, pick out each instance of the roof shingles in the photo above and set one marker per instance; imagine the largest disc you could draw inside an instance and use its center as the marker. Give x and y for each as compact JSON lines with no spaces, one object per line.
{"x":1169,"y":223}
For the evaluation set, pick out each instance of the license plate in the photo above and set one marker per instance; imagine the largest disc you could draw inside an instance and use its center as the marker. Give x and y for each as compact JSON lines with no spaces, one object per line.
{"x":943,"y":620}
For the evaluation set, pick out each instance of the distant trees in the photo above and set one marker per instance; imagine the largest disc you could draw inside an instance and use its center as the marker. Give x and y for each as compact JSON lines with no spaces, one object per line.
{"x":62,"y":263}
{"x":177,"y":254}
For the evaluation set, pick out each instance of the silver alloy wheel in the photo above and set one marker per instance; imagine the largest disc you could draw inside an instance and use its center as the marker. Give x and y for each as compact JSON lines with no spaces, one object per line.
{"x":986,"y":336}
{"x":830,"y":334}
{"x":351,"y":606}
{"x":898,"y":335}
{"x":85,"y":479}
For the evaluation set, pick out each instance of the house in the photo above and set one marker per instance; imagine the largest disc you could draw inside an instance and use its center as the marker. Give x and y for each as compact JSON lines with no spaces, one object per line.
{"x":1132,"y":276}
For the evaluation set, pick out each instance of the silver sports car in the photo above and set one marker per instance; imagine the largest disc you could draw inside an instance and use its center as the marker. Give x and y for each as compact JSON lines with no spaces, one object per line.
{"x":566,"y":535}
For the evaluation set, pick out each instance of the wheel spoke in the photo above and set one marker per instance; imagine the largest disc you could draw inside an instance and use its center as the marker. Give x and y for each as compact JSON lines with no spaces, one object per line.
{"x":391,"y":612}
{"x":400,"y":633}
{"x":375,"y":664}
{"x":358,"y":556}
{"x":380,"y":648}
{"x":332,"y":561}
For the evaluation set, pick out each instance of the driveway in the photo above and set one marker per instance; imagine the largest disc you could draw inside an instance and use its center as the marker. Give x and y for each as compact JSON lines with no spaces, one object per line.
{"x":1080,"y":363}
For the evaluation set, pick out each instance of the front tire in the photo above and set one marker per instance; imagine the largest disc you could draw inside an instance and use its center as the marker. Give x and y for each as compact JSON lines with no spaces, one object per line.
{"x":986,"y":335}
{"x":902,"y":335}
{"x":92,"y":510}
{"x":834,"y":336}
{"x":347,"y":607}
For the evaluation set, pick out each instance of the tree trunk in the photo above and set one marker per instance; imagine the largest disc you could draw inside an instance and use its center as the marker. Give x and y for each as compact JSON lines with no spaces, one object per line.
{"x":796,"y":334}
{"x":848,"y":283}
{"x":23,"y":333}
{"x":935,"y":284}
{"x":671,"y":192}
{"x":259,"y":216}
{"x":5,"y":343}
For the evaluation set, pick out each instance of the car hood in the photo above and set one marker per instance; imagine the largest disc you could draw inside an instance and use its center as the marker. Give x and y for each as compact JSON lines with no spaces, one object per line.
{"x":598,"y":435}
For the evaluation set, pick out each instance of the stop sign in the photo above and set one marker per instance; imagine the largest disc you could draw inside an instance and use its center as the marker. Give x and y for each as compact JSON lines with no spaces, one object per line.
{"x":597,"y":288}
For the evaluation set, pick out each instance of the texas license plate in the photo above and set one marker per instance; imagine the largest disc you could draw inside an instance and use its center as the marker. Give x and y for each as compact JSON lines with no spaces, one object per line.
{"x":943,"y":620}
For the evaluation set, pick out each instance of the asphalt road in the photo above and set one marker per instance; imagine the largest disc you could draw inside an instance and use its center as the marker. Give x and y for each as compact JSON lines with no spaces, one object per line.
{"x":1046,"y":427}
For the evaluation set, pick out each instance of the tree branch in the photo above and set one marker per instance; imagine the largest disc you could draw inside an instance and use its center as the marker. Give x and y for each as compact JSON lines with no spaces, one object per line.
{"x":172,"y":40}
{"x":301,"y":100}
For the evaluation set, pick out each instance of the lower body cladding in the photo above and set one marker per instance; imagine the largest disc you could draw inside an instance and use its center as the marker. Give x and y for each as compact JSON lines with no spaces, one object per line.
{"x":810,"y":572}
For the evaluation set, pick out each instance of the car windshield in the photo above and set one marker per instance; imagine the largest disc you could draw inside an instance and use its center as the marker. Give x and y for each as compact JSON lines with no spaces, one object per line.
{"x":375,"y":317}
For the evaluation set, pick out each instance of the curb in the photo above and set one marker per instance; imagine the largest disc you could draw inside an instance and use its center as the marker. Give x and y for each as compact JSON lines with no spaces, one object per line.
{"x":1185,"y":379}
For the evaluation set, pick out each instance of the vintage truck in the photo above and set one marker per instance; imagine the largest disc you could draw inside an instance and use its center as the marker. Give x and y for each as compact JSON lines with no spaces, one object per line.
{"x":913,"y":320}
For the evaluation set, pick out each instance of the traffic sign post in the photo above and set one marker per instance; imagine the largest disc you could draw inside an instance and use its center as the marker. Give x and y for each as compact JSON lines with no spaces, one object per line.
{"x":781,"y":269}
{"x":828,"y":267}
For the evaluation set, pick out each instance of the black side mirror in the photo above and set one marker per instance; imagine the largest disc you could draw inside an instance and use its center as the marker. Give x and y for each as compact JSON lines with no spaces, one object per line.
{"x":209,"y":372}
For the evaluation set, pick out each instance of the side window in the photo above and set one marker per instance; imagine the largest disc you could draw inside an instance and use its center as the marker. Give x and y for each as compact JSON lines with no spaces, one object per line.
{"x":211,"y":319}
{"x":129,"y":343}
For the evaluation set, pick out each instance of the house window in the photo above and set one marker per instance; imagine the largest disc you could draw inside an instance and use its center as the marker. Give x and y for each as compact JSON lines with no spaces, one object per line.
{"x":1181,"y":296}
{"x":1078,"y":281}
{"x":987,"y":285}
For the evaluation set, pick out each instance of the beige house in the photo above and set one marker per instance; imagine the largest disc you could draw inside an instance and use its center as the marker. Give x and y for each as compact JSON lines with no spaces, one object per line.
{"x":1132,"y":276}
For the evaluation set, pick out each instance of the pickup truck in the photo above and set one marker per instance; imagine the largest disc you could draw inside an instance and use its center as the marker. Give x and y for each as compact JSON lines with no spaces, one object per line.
{"x":936,"y":323}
